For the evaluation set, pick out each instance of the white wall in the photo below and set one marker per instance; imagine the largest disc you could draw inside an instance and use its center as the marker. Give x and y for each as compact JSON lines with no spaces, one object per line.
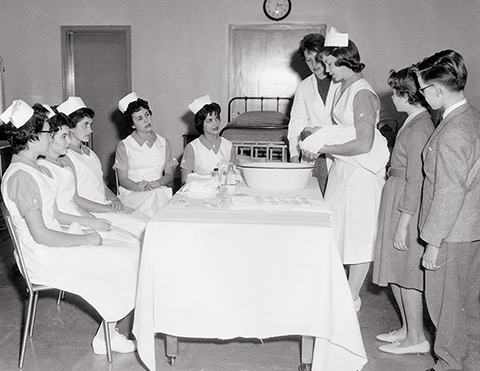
{"x":179,"y":47}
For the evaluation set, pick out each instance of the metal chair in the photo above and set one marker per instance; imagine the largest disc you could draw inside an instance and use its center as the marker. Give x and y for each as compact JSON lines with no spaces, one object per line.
{"x":33,"y":290}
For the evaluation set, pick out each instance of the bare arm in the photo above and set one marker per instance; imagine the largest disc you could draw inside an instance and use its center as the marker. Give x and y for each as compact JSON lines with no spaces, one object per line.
{"x":45,"y":236}
{"x":88,"y":221}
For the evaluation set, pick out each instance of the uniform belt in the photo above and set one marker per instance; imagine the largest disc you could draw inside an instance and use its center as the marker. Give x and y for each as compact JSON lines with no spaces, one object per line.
{"x":396,"y":173}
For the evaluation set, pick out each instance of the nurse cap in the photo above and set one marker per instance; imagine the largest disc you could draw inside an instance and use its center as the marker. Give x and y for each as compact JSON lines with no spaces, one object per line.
{"x":335,"y":38}
{"x":126,"y":100}
{"x":198,"y":103}
{"x":18,"y":113}
{"x":50,"y":112}
{"x":71,"y":105}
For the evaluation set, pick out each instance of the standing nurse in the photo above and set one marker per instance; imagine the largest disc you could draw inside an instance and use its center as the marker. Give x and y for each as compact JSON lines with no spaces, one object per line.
{"x":353,"y":191}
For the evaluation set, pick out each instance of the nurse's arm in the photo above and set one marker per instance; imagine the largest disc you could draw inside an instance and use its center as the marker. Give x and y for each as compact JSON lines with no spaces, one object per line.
{"x":49,"y":237}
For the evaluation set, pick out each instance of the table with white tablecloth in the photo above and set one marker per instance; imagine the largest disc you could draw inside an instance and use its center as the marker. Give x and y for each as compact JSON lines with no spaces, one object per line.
{"x":255,"y":265}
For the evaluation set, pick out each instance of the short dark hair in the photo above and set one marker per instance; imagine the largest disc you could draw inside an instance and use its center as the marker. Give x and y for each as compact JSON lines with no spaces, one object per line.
{"x":19,"y":137}
{"x":133,"y":107}
{"x":57,"y":121}
{"x":201,"y":115}
{"x":446,"y":67}
{"x":78,"y":115}
{"x":313,"y":42}
{"x":405,"y":84}
{"x":347,"y":56}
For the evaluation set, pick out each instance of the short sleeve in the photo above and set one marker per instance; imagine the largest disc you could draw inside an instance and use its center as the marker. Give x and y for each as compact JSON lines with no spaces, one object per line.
{"x":365,"y":107}
{"x":23,"y":190}
{"x":188,"y":159}
{"x":170,"y":161}
{"x":121,"y":157}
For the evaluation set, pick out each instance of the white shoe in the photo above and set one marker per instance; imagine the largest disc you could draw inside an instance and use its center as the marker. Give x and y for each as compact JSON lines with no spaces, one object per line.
{"x":391,"y":337}
{"x":422,"y":348}
{"x":119,"y":343}
{"x":357,"y":304}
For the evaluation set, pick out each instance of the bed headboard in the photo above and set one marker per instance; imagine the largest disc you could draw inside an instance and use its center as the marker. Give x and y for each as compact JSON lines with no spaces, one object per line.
{"x":239,"y":105}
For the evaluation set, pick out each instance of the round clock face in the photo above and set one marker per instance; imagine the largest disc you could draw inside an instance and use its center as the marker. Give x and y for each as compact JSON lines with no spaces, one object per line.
{"x":277,"y":10}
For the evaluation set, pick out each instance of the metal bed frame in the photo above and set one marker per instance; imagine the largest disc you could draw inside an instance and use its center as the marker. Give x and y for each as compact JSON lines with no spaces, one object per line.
{"x":255,"y":149}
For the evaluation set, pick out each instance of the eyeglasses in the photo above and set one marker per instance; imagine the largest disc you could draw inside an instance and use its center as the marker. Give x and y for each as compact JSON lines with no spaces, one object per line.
{"x":44,"y":131}
{"x":422,"y":90}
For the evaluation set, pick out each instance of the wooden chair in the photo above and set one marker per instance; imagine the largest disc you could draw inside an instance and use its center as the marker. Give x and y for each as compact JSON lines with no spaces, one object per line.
{"x":33,"y":290}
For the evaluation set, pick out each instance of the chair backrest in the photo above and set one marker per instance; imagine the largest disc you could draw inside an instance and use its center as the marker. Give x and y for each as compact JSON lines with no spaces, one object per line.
{"x":16,"y":244}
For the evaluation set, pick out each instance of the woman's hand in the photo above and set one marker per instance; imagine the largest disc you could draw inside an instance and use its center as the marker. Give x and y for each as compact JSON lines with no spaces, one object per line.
{"x":310,"y":155}
{"x":153,"y":184}
{"x":99,"y":224}
{"x":116,"y":205}
{"x":142,"y":185}
{"x":429,"y":260}
{"x":400,"y":238}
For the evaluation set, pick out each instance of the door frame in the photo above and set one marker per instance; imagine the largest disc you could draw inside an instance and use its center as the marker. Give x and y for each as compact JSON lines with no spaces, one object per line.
{"x":68,"y":66}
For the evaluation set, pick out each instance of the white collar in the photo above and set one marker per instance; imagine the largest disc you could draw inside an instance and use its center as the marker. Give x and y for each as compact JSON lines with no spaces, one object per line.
{"x":456,"y":105}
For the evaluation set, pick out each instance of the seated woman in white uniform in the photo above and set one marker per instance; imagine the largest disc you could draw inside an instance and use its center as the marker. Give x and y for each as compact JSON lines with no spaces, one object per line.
{"x":89,"y":175}
{"x":66,"y":198}
{"x":102,"y":271}
{"x":143,"y":160}
{"x":205,"y":153}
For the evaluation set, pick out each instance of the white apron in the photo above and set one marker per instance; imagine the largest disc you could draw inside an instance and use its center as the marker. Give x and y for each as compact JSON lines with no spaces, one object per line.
{"x":145,"y":163}
{"x":353,"y":192}
{"x":65,"y":181}
{"x":105,"y":276}
{"x":206,"y":160}
{"x":90,"y":186}
{"x":89,"y":173}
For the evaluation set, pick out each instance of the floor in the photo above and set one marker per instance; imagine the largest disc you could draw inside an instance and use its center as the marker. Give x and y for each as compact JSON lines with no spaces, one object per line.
{"x":63,"y":333}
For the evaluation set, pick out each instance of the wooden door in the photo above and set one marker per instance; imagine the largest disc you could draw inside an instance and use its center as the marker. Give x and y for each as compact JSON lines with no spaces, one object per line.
{"x":97,"y":67}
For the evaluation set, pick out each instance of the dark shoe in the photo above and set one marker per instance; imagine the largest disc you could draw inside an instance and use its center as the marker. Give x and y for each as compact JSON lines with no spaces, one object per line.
{"x":305,"y":367}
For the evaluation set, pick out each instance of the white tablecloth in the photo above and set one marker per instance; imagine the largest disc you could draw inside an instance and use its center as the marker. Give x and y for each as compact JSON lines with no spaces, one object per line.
{"x":213,"y":272}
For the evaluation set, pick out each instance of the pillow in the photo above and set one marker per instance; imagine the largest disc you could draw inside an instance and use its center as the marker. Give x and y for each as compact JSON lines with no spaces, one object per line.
{"x":260,"y":118}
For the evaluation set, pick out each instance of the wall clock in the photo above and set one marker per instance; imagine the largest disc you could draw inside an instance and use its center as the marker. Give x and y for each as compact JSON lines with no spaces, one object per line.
{"x":276,"y":10}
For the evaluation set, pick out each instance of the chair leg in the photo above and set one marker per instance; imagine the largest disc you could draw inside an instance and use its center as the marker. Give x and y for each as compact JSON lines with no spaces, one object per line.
{"x":107,"y":340}
{"x":26,"y":330}
{"x":34,"y":313}
{"x":61,"y":296}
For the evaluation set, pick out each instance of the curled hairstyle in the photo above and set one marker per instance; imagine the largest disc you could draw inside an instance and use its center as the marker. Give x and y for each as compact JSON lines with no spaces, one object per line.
{"x":446,"y":68}
{"x":19,"y":137}
{"x":78,"y":115}
{"x":201,"y":115}
{"x":56,"y":122}
{"x":405,"y":84}
{"x":313,"y":42}
{"x":133,"y":107}
{"x":347,"y":56}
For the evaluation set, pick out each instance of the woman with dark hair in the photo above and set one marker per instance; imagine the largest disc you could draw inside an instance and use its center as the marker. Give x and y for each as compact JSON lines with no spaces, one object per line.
{"x":312,"y":104}
{"x":102,"y":271}
{"x":88,"y":172}
{"x":398,"y":249}
{"x":353,"y":191}
{"x":143,"y":161}
{"x":205,"y":153}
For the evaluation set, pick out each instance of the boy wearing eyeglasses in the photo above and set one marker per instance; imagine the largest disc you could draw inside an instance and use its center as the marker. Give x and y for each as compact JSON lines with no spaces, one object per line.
{"x":449,"y":216}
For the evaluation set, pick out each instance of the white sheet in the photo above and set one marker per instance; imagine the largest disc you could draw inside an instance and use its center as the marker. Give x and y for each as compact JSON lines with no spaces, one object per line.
{"x":221,"y":273}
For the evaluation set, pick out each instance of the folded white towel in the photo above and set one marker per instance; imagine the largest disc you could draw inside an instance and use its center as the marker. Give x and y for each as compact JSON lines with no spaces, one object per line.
{"x":200,"y":186}
{"x":373,"y":161}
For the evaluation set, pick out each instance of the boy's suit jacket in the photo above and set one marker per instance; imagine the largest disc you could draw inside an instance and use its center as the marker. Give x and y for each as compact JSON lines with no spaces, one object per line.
{"x":450,"y":208}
